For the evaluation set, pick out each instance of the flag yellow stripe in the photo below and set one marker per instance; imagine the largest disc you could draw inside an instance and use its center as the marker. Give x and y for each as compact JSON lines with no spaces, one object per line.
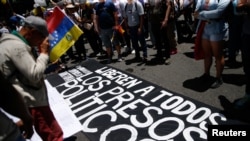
{"x":65,"y":43}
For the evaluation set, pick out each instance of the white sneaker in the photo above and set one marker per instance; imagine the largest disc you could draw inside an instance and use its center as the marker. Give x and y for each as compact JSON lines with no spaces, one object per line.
{"x":119,"y":59}
{"x":133,"y":51}
{"x":99,"y":54}
{"x":168,"y":61}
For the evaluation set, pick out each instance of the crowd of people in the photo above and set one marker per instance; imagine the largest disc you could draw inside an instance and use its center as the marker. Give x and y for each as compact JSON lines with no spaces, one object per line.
{"x":115,"y":26}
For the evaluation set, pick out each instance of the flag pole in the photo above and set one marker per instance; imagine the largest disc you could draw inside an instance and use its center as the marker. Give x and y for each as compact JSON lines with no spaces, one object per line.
{"x":114,"y":30}
{"x":7,"y":1}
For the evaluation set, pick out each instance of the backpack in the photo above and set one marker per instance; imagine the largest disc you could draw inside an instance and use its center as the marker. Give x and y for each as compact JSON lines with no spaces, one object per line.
{"x":125,"y":8}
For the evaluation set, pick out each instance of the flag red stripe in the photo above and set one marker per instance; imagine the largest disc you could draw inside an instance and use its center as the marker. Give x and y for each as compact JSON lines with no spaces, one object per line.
{"x":53,"y":22}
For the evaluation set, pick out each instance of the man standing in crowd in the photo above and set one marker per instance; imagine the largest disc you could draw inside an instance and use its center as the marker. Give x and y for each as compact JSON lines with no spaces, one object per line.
{"x":134,"y":18}
{"x":162,"y":23}
{"x":26,"y":73}
{"x":244,"y":103}
{"x":106,"y":22}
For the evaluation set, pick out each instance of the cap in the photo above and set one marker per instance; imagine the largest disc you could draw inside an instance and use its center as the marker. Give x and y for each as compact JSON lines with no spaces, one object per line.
{"x":14,"y":19}
{"x":37,"y":23}
{"x":70,"y":6}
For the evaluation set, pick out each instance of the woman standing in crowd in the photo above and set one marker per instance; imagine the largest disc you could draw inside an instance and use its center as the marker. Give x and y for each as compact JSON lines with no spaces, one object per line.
{"x":86,"y":12}
{"x":209,"y":13}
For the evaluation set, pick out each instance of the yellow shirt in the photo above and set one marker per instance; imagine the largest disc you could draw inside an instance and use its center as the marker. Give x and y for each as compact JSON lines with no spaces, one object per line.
{"x":38,"y":11}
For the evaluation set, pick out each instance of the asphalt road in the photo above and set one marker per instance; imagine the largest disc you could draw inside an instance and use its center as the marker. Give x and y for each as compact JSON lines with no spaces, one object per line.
{"x":180,"y":76}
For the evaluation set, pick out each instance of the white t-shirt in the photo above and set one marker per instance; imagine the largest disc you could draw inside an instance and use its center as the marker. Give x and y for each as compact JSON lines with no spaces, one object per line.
{"x":4,"y":30}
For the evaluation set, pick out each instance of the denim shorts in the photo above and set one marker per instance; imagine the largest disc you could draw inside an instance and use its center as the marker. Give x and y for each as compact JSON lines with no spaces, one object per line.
{"x":213,"y":37}
{"x":106,"y":36}
{"x":214,"y":32}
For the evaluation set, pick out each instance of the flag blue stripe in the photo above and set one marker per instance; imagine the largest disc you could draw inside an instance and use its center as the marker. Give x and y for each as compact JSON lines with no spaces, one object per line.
{"x":64,"y":27}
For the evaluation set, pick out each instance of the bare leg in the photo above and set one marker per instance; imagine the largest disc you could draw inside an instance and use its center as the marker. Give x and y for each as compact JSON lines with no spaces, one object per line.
{"x":217,"y":48}
{"x":206,"y":46}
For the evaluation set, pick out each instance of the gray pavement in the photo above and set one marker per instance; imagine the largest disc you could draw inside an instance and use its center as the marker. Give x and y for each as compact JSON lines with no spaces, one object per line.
{"x":178,"y":76}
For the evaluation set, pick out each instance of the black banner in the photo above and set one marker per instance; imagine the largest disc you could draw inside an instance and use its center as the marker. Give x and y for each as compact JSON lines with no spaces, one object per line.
{"x":113,"y":105}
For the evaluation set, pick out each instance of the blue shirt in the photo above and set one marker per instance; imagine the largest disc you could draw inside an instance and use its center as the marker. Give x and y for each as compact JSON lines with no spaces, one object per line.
{"x":213,"y":13}
{"x":104,"y":11}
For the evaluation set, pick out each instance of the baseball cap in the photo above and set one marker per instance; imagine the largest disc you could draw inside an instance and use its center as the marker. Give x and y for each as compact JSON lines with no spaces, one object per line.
{"x":14,"y":19}
{"x":39,"y":24}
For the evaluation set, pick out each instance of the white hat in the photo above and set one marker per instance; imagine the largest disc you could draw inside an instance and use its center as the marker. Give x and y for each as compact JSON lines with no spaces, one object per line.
{"x":70,"y":6}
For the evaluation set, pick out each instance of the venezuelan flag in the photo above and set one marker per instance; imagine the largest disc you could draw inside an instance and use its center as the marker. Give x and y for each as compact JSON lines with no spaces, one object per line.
{"x":120,"y":29}
{"x":64,"y":31}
